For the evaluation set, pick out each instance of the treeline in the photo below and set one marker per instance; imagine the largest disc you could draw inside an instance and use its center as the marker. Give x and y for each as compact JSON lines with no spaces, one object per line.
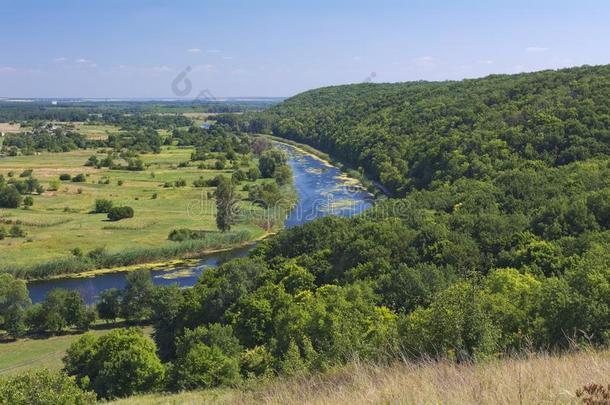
{"x":135,"y":121}
{"x":107,"y":111}
{"x":19,"y":111}
{"x":218,"y":138}
{"x":46,"y":139}
{"x":62,"y":310}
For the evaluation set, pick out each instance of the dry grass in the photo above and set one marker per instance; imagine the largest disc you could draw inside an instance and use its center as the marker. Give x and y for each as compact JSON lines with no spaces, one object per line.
{"x":538,"y":379}
{"x":6,"y":127}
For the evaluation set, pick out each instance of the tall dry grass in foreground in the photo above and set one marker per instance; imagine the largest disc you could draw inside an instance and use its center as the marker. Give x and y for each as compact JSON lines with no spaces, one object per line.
{"x":538,"y":379}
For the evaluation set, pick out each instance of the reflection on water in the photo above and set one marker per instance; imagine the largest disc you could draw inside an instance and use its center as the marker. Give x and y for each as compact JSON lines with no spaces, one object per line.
{"x":322,"y":191}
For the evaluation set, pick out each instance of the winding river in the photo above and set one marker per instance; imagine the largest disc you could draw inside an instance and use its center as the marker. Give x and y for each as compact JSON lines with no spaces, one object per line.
{"x":322,"y":190}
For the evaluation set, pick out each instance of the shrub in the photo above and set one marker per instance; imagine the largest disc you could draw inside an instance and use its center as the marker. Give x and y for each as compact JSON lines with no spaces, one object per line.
{"x":43,"y":387}
{"x":214,"y":182}
{"x":54,"y":185}
{"x":9,"y":196}
{"x":282,"y":174}
{"x":207,"y":357}
{"x":180,"y":183}
{"x":2,"y":232}
{"x":179,"y":235}
{"x":120,"y":183}
{"x":200,"y":182}
{"x":17,"y":232}
{"x":120,"y":363}
{"x":102,"y":206}
{"x":65,"y":177}
{"x":118,"y":213}
{"x":135,"y":164}
{"x":26,"y":173}
{"x":238,"y":175}
{"x":92,"y":161}
{"x":79,"y":178}
{"x":28,"y":201}
{"x":254,"y":173}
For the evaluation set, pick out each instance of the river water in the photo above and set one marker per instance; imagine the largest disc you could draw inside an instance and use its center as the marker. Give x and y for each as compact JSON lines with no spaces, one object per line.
{"x":322,"y":191}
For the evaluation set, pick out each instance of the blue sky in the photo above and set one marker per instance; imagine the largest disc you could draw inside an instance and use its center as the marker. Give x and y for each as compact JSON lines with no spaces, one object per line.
{"x":123,"y":48}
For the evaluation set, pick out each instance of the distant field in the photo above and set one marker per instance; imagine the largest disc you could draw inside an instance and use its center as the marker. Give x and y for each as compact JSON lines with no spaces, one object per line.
{"x":25,"y":354}
{"x":60,"y":220}
{"x":198,"y":117}
{"x":6,"y":127}
{"x":101,"y":131}
{"x":540,"y":379}
{"x":96,"y":131}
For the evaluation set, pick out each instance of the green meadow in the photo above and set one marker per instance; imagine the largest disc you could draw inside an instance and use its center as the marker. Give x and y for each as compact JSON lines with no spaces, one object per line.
{"x":60,"y":220}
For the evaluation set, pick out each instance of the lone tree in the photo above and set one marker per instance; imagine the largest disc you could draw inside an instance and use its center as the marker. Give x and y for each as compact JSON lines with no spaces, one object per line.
{"x":226,"y":204}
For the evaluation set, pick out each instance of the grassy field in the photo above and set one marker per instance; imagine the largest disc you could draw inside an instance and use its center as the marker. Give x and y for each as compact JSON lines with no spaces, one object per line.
{"x":25,"y":354}
{"x":61,"y":220}
{"x":96,"y":131}
{"x":538,"y":379}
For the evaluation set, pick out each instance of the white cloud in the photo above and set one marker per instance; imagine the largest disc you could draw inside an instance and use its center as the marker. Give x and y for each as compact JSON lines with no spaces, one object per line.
{"x":7,"y":69}
{"x":425,"y":61}
{"x":486,"y":62}
{"x":161,"y":69}
{"x":60,"y":59}
{"x":213,"y":51}
{"x":193,"y":50}
{"x":228,"y":57}
{"x":85,"y":63}
{"x":204,"y":68}
{"x":535,"y":49}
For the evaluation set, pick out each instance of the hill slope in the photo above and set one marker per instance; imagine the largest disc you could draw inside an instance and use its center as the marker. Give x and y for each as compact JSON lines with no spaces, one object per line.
{"x":423,"y":134}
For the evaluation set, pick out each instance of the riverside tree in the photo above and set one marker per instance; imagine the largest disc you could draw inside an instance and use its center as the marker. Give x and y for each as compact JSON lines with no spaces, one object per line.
{"x":14,"y":300}
{"x":226,"y":204}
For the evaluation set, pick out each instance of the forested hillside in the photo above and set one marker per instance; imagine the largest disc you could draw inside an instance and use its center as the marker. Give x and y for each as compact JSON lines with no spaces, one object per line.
{"x":425,"y":134}
{"x":499,"y":241}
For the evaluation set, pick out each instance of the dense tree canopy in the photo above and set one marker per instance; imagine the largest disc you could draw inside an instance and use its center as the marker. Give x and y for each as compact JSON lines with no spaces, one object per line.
{"x":499,"y":239}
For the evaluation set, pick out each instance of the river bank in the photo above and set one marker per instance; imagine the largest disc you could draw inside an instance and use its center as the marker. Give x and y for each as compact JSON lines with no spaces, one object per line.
{"x":167,"y":265}
{"x":322,"y":189}
{"x":349,"y":174}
